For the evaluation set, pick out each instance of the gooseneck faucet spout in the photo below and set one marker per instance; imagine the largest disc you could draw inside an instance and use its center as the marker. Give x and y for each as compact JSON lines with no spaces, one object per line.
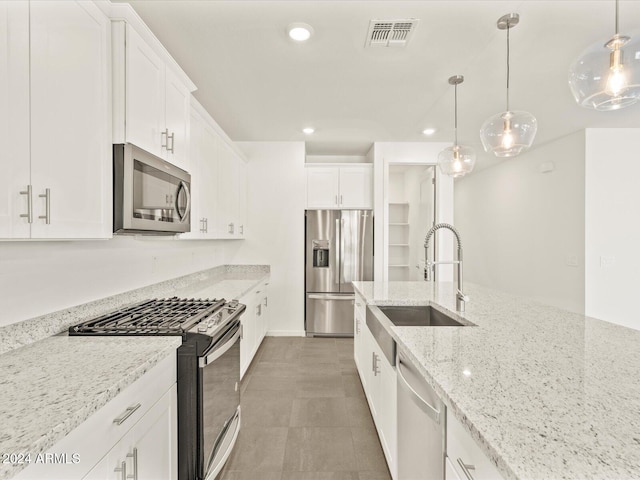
{"x":429,"y":266}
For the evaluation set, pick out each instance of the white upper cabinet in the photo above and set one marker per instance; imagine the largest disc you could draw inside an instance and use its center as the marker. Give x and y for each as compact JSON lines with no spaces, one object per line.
{"x":151,"y":102}
{"x":218,"y":181}
{"x":14,"y":120}
{"x":55,"y":121}
{"x":339,"y":187}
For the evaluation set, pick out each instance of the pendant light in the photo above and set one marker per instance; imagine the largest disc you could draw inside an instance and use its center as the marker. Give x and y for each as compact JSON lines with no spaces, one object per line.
{"x":508,"y":133}
{"x":457,"y":160}
{"x":607,"y":76}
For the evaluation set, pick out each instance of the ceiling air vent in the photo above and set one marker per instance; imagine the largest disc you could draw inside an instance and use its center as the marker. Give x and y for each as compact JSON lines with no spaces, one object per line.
{"x":390,"y":33}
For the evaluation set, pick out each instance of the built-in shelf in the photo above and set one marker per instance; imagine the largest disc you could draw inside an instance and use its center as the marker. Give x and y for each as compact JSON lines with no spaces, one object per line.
{"x":398,"y":224}
{"x":398,"y":203}
{"x":398,"y":266}
{"x":398,"y":244}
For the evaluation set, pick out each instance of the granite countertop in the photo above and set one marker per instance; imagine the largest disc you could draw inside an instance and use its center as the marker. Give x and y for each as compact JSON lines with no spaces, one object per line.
{"x":547,"y":394}
{"x":50,"y":382}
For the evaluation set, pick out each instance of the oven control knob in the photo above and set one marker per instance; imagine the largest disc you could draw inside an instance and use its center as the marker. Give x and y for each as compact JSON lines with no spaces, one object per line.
{"x":202,"y":328}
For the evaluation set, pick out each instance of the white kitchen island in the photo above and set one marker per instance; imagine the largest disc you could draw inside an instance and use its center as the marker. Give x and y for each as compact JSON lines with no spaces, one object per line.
{"x":545,"y":393}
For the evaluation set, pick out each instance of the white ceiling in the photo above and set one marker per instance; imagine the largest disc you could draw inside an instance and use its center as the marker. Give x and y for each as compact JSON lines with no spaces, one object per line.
{"x":259,"y":86}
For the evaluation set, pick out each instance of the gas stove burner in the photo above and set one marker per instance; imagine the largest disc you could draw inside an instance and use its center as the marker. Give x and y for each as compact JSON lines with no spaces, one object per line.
{"x":170,"y":316}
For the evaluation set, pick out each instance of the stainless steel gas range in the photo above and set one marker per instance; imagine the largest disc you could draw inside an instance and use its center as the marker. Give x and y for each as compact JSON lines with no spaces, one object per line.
{"x":208,"y":372}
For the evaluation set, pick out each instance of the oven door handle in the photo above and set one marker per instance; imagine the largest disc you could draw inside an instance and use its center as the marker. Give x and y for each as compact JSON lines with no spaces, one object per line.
{"x":219,"y":351}
{"x":183,"y":216}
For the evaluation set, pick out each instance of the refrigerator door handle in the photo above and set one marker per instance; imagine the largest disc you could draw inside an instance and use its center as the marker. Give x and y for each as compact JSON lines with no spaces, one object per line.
{"x":324,"y":296}
{"x":338,"y":254}
{"x":341,"y":273}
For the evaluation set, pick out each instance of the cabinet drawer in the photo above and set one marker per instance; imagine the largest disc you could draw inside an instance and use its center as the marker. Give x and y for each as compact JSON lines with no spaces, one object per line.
{"x":93,"y":438}
{"x":464,"y":454}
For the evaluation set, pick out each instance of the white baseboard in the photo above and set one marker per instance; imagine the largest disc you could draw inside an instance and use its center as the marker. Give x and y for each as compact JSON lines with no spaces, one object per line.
{"x":286,"y":333}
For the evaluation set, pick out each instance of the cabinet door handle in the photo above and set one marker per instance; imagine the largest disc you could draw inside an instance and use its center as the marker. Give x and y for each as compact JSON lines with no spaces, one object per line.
{"x":47,"y":206}
{"x":357,"y":326}
{"x":376,"y":370}
{"x":127,"y":413}
{"x":336,"y":199}
{"x":173,"y":141}
{"x":340,"y":199}
{"x":465,"y":469}
{"x":206,"y":225}
{"x":266,"y":301}
{"x":241,"y":229}
{"x":164,"y":143}
{"x":134,"y":455}
{"x":29,"y":214}
{"x":122,"y":469}
{"x":231,"y":228}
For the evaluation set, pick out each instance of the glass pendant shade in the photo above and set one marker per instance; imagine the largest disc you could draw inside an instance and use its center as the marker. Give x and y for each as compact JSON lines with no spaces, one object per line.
{"x":508,"y":133}
{"x":607,"y":76}
{"x":456,"y":160}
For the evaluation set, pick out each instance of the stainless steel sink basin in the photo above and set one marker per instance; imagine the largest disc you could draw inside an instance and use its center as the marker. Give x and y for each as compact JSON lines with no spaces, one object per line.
{"x":419,"y":316}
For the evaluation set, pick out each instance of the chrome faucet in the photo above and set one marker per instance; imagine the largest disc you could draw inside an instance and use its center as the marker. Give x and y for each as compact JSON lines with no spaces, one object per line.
{"x":429,"y":266}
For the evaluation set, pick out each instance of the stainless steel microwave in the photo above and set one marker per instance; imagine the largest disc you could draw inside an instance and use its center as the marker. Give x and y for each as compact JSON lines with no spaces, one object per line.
{"x":150,"y":196}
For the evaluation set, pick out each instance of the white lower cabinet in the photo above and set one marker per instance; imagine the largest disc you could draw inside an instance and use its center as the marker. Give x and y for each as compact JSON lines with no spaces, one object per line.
{"x":378,"y":378}
{"x":254,"y":323}
{"x":148,"y":451}
{"x":133,"y":436}
{"x":464,"y":458}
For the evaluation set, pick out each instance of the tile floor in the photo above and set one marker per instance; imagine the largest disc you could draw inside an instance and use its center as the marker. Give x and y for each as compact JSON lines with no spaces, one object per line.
{"x":305,"y":416}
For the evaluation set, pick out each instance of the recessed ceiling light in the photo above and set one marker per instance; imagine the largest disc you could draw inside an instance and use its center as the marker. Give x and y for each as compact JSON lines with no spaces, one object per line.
{"x":429,"y":131}
{"x":308,"y":130}
{"x":300,"y":32}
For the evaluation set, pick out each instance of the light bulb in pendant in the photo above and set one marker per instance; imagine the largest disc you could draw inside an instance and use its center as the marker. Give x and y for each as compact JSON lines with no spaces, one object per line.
{"x":617,"y":79}
{"x":507,"y":135}
{"x":457,"y":164}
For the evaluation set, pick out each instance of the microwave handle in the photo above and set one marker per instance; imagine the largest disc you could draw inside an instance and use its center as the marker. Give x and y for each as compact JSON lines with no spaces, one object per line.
{"x":183,"y":216}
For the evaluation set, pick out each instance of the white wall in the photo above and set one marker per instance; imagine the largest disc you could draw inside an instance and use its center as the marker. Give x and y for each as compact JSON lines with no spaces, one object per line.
{"x":42,"y":277}
{"x":275,"y":228}
{"x":522,"y":229}
{"x":612,"y":229}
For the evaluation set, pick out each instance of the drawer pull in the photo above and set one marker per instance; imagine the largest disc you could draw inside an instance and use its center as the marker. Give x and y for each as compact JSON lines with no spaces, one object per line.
{"x":128,"y":412}
{"x":465,"y":469}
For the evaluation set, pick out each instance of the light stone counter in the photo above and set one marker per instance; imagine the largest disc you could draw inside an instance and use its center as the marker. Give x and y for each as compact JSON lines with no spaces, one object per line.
{"x":549,"y":394}
{"x":50,"y":384}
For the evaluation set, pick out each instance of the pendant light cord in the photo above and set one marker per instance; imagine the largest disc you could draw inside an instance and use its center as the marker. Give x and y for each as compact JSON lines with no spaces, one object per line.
{"x":508,"y":28}
{"x":455,"y":124}
{"x":616,"y":17}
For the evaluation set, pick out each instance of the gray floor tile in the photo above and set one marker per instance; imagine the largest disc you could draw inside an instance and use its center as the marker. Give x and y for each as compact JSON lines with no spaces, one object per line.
{"x":293,"y":394}
{"x":318,"y":449}
{"x":258,"y":385}
{"x":352,"y":385}
{"x":358,"y":412}
{"x":369,"y":454}
{"x":319,"y":412}
{"x":319,"y":369}
{"x":273,"y":369}
{"x":250,"y":475}
{"x":259,"y":450}
{"x":374,"y":476}
{"x":320,"y":476}
{"x":266,"y":410}
{"x":320,"y":386}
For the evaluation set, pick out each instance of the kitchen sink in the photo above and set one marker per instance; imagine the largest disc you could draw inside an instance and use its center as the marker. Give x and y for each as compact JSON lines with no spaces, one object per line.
{"x":419,"y":316}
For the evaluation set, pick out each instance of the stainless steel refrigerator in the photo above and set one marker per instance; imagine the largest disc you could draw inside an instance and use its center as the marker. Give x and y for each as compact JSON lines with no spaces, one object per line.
{"x":338,"y":250}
